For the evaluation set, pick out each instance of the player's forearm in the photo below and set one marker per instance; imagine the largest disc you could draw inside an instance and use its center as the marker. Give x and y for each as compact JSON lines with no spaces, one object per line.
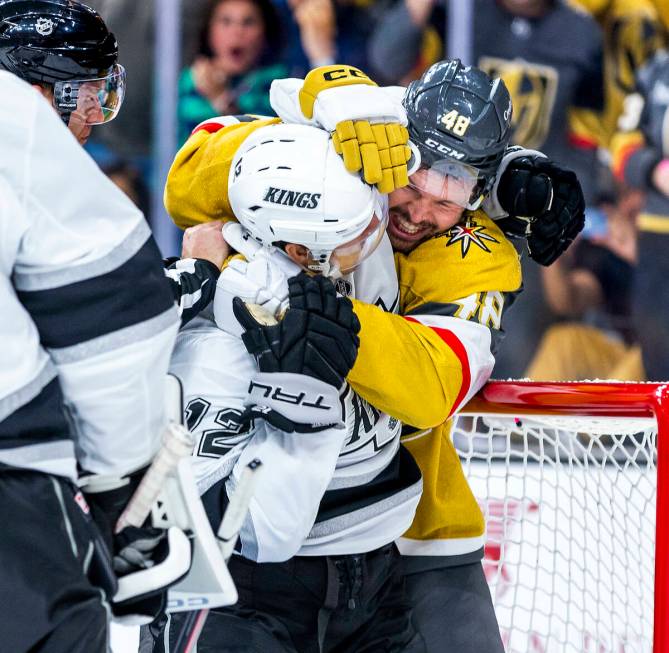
{"x":419,"y":369}
{"x":297,"y":470}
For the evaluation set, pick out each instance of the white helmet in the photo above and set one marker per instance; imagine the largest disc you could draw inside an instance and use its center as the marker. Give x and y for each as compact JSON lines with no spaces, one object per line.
{"x":288,"y":185}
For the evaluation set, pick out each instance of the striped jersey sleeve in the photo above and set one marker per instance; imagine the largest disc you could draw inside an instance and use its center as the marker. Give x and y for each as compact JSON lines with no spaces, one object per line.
{"x":92,"y":319}
{"x":193,"y":284}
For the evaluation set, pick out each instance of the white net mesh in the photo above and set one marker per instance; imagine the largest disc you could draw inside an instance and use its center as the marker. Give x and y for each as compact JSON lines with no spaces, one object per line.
{"x":569,"y":504}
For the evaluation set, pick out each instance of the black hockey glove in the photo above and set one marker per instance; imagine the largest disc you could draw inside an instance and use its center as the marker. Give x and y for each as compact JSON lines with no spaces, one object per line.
{"x":304,"y":359}
{"x":131,"y":551}
{"x":545,"y":205}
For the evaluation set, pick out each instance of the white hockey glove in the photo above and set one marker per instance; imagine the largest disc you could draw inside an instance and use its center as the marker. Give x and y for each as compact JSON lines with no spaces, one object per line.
{"x":304,"y":359}
{"x":261,"y":279}
{"x":367,"y":123}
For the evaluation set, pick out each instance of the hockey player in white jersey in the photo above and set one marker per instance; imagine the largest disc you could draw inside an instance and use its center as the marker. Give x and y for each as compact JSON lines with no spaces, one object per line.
{"x":337,"y":488}
{"x":87,"y":329}
{"x":66,"y":52}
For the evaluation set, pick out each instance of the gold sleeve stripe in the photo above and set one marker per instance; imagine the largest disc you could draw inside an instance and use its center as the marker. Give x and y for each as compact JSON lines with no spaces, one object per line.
{"x":454,"y":344}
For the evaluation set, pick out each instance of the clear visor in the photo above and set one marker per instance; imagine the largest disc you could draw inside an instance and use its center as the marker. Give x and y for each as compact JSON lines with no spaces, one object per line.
{"x":449,"y":181}
{"x":91,"y":101}
{"x":347,"y":257}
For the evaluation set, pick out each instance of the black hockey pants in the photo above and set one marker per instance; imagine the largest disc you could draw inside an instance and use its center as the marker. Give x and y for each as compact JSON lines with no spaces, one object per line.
{"x":47,"y":603}
{"x":334,"y":604}
{"x":452,"y":609}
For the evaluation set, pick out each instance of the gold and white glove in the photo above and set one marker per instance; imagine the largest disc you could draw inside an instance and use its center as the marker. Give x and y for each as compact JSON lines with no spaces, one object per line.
{"x":367,"y":123}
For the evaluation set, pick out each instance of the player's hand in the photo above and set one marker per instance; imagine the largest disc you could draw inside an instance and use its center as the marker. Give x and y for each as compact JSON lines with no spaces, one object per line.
{"x":304,"y":359}
{"x":545,"y":205}
{"x":122,"y":561}
{"x":256,"y":276}
{"x":368,"y":125}
{"x":205,"y":241}
{"x":318,"y":28}
{"x":318,"y":335}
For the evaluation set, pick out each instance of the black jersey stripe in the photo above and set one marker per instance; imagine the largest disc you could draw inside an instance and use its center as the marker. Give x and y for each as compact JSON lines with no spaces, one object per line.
{"x":41,"y":419}
{"x":401,"y":473}
{"x":63,"y":315}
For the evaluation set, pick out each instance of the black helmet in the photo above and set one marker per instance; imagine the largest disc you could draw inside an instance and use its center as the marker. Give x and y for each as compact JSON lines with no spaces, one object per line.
{"x":66,"y":45}
{"x":46,"y":41}
{"x":459,"y":116}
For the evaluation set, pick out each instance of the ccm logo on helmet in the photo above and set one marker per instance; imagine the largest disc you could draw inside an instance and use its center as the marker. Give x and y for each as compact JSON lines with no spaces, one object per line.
{"x":292,"y":198}
{"x":444,"y":149}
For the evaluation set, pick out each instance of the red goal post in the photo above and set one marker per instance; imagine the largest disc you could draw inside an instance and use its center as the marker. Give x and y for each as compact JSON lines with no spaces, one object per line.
{"x":567,"y":476}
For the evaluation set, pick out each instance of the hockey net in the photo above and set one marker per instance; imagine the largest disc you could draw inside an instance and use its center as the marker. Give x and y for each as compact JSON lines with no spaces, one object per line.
{"x":567,"y":477}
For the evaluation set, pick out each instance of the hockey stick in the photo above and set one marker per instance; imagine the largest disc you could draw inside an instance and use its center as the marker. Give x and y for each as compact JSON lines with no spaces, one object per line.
{"x":177,"y":444}
{"x":227,"y":534}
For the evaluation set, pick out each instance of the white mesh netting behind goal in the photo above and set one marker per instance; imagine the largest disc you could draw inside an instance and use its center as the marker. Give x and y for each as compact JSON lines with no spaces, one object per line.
{"x":569,"y":502}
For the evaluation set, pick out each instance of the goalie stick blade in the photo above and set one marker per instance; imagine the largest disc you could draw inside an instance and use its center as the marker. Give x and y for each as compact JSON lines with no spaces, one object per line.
{"x":228,"y":531}
{"x":208,"y":583}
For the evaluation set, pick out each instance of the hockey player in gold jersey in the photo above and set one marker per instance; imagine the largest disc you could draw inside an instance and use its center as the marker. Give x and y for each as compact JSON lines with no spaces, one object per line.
{"x":633,"y":31}
{"x":456,"y":271}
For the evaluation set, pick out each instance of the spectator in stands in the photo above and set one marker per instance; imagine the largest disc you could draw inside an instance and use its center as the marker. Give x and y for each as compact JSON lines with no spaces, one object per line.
{"x":632,"y":32}
{"x":239,"y":44}
{"x":641,"y":159}
{"x":323,"y":32}
{"x":591,"y":286}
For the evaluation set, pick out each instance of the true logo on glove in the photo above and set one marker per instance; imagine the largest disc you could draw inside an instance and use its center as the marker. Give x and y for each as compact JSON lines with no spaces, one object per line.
{"x":292,"y":198}
{"x":277,"y":394}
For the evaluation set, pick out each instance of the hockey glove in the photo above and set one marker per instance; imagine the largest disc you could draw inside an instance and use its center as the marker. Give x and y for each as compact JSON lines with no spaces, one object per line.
{"x":257,"y":277}
{"x":545,"y":205}
{"x":304,"y":359}
{"x":149,"y":559}
{"x":368,"y":125}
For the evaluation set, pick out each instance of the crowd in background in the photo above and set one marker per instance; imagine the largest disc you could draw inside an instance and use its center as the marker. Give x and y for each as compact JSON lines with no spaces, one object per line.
{"x":572,"y":69}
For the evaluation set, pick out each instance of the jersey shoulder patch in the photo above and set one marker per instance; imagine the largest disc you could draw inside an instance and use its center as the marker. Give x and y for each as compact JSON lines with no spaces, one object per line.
{"x":471,"y":257}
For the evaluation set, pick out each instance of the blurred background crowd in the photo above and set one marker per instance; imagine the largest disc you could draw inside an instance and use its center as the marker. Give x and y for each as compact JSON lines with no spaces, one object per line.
{"x":590,"y":87}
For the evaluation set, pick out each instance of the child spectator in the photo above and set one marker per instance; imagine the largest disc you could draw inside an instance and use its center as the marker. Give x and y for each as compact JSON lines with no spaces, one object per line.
{"x":236,"y":62}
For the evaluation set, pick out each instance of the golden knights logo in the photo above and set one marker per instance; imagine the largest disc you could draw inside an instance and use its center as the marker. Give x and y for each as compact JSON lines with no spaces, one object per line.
{"x":532,"y":88}
{"x":469,"y":233}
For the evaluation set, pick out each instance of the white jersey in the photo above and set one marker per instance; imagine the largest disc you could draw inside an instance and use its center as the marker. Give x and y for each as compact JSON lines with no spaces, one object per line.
{"x":88,"y":321}
{"x":340,"y":491}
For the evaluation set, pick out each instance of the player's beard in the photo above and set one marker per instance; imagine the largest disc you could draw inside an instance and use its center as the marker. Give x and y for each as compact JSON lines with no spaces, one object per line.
{"x":399,"y":225}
